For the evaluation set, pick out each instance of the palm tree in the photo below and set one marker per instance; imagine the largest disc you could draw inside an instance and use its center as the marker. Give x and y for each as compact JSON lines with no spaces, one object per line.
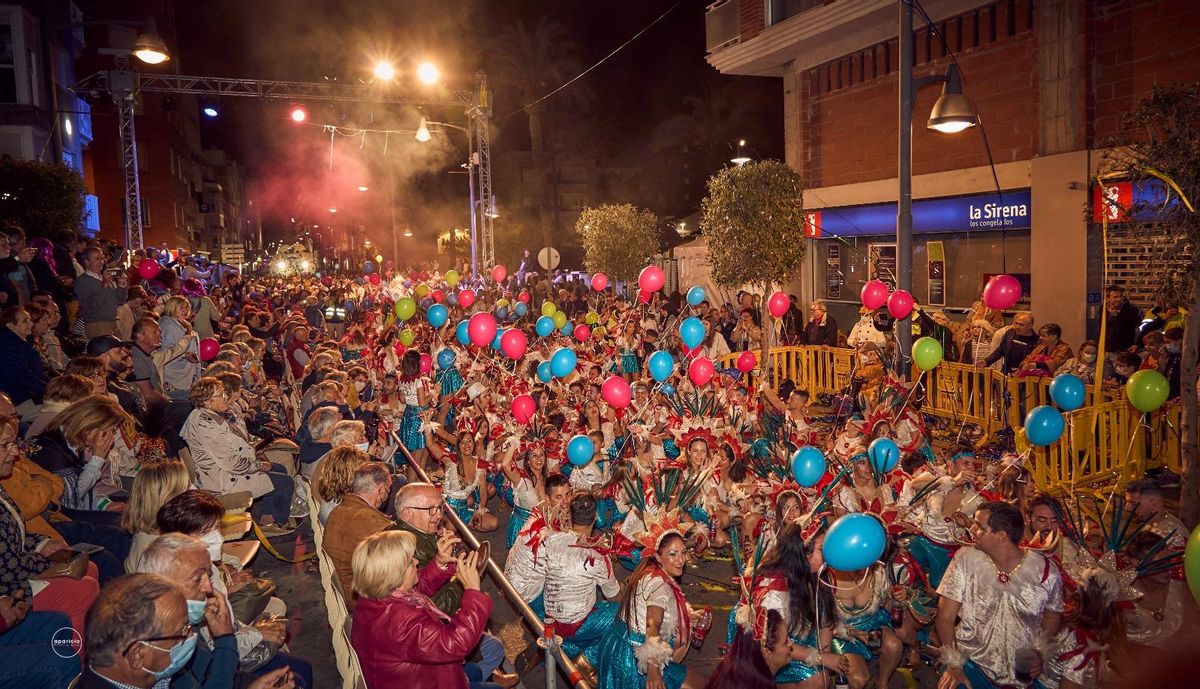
{"x":532,"y":62}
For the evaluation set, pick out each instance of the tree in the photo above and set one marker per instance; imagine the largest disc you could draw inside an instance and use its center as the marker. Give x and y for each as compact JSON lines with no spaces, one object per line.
{"x":617,"y":239}
{"x":1163,"y":141}
{"x":46,"y":199}
{"x":753,"y":219}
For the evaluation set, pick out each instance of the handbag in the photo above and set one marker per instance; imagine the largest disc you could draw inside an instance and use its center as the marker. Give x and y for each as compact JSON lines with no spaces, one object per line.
{"x":74,"y":567}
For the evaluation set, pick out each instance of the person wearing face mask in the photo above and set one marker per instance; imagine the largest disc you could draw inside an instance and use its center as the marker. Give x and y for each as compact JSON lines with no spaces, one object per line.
{"x":1084,"y":365}
{"x":356,"y":517}
{"x":138,"y":635}
{"x":1123,"y":366}
{"x":1172,"y":357}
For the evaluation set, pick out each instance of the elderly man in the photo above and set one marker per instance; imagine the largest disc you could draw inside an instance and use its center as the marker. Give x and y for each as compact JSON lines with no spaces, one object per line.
{"x":99,"y":295}
{"x":149,"y":358}
{"x":22,"y":376}
{"x":1015,"y":344}
{"x":356,"y":517}
{"x":315,"y":438}
{"x":821,"y":329}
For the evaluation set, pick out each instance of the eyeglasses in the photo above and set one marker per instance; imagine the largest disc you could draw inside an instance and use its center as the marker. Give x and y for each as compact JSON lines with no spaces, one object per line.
{"x":10,"y":446}
{"x":430,"y":510}
{"x":183,"y":634}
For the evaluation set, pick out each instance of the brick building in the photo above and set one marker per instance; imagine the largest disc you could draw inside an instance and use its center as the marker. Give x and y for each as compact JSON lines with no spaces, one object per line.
{"x":1049,"y":80}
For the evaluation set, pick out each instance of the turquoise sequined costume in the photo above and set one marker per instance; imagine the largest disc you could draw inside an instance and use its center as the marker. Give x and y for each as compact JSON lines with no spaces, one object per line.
{"x":617,"y":665}
{"x":870,"y":617}
{"x":586,"y":639}
{"x":410,"y":429}
{"x":516,"y":522}
{"x":629,"y":361}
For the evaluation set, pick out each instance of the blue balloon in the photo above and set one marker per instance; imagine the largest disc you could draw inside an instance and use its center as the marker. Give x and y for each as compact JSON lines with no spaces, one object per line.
{"x":567,"y":328}
{"x":884,"y":454}
{"x":562,"y":363}
{"x":580,"y":450}
{"x":452,"y":299}
{"x":445,"y":358}
{"x":426,"y":303}
{"x":544,"y":373}
{"x":496,"y":339}
{"x":695,"y":296}
{"x":368,"y":267}
{"x":521,"y":308}
{"x":854,"y":542}
{"x":808,"y":465}
{"x":691,"y":331}
{"x":462,"y":333}
{"x":1043,"y":425}
{"x":437,"y":315}
{"x":661,"y":365}
{"x":1068,"y":391}
{"x":544,"y":326}
{"x":667,"y":389}
{"x":501,"y":312}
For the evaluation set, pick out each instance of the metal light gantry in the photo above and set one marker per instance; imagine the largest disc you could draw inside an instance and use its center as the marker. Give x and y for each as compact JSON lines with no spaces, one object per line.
{"x":124,"y":85}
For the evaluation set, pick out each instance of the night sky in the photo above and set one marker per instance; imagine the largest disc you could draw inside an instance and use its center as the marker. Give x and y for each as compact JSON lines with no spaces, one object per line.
{"x":627,"y":98}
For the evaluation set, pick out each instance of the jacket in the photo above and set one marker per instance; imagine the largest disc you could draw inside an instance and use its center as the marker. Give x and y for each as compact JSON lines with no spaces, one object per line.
{"x":448,"y":597}
{"x":210,"y":668}
{"x":34,"y":491}
{"x":1121,"y":333}
{"x":52,"y":452}
{"x":19,"y":559}
{"x":225,"y":459}
{"x":401,"y":645}
{"x":96,"y":302}
{"x":824,"y":333}
{"x":23,"y":376}
{"x":177,"y":373}
{"x":349,"y":524}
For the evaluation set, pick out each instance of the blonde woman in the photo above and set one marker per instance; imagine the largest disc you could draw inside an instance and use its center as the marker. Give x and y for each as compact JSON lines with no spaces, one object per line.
{"x":76,"y":448}
{"x":176,"y":323}
{"x":157,"y":481}
{"x":334,"y":474}
{"x":61,"y":391}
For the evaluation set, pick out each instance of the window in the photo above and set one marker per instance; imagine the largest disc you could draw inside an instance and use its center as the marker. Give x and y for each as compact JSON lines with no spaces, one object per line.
{"x":8,"y":66}
{"x":145,"y":212}
{"x":778,"y":10}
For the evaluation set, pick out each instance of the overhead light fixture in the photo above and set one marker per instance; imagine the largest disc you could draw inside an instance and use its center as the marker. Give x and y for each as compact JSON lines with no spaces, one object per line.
{"x":428,"y":73}
{"x":384,"y":71}
{"x":149,"y":46}
{"x":299,"y":114}
{"x":952,"y":113}
{"x":407,"y":232}
{"x":209,"y":108}
{"x":362,"y":187}
{"x":423,"y":131}
{"x":740,"y":159}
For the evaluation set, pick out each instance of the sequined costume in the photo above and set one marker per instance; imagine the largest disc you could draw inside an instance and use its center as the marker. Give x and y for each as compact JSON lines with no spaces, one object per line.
{"x":1000,"y":612}
{"x":525,"y":498}
{"x":410,"y":423}
{"x":624,"y":653}
{"x":869,"y":617}
{"x":457,"y":492}
{"x":573,"y":572}
{"x":525,"y":565}
{"x":939,"y":536}
{"x":771,"y":593}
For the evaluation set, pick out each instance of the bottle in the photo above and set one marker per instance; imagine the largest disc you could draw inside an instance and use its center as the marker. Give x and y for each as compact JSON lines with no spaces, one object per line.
{"x":840,"y":681}
{"x":701,"y":627}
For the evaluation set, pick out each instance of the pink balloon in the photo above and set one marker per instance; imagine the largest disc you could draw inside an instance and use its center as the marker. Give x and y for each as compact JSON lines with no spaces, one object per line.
{"x":643,"y":296}
{"x":482,"y":329}
{"x":615,"y":391}
{"x":499,"y":273}
{"x":1002,"y":292}
{"x":437,"y":295}
{"x":400,"y":349}
{"x":778,"y":304}
{"x":374,"y":278}
{"x":466,"y":298}
{"x":148,"y":268}
{"x":426,"y":363}
{"x":513,"y":343}
{"x":523,"y":297}
{"x":900,"y":304}
{"x":746,"y":361}
{"x":209,"y":348}
{"x":599,"y":282}
{"x":582,"y":332}
{"x":652,"y":279}
{"x":874,"y":294}
{"x":523,"y":408}
{"x":701,"y":370}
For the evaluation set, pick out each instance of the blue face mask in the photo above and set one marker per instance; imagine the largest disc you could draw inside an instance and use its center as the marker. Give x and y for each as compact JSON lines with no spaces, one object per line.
{"x":181,"y":653}
{"x":196,"y":611}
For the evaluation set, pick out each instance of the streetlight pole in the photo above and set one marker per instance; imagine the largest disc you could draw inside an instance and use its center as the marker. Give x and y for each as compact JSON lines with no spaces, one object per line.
{"x":904,"y":259}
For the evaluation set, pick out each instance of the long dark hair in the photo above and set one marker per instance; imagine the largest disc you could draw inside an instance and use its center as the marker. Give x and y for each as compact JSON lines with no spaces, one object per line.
{"x":744,"y":666}
{"x":648,"y":565}
{"x":410,"y":365}
{"x":789,"y":558}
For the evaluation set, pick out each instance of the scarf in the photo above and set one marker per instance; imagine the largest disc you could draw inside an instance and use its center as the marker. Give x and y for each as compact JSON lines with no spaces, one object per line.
{"x":419,"y":601}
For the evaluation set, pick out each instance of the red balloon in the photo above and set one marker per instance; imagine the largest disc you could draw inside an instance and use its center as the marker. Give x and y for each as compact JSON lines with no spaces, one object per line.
{"x":523,"y":297}
{"x":701,"y":370}
{"x":499,"y":273}
{"x":209,"y":348}
{"x":437,"y":295}
{"x":778,"y":304}
{"x":513,"y":343}
{"x":482,"y":329}
{"x":643,"y":296}
{"x":374,"y":278}
{"x":616,"y":392}
{"x":466,"y":298}
{"x":523,"y":408}
{"x":400,"y":349}
{"x":582,"y":332}
{"x":900,"y":304}
{"x":327,"y":281}
{"x":746,"y":361}
{"x":599,"y":282}
{"x":874,"y":294}
{"x":148,"y":268}
{"x":426,"y":363}
{"x":652,"y":278}
{"x":1002,"y":292}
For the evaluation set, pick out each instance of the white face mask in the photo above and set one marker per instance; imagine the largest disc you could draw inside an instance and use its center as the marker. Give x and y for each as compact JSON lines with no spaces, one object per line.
{"x":363,"y":446}
{"x":214,"y":541}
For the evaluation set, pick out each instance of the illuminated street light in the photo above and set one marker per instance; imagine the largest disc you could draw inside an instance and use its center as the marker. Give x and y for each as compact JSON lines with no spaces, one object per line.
{"x":407,"y":232}
{"x":740,"y":160}
{"x":952,"y":112}
{"x":149,"y":46}
{"x":298,"y":114}
{"x":362,"y":187}
{"x":423,"y":131}
{"x":332,"y":210}
{"x":384,"y":71}
{"x":428,"y":73}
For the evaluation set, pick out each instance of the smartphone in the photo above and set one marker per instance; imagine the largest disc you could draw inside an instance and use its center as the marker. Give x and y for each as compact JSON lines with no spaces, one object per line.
{"x":86,"y":548}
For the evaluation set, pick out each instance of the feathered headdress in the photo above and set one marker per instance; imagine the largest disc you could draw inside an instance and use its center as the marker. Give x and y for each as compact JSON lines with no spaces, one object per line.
{"x":659,"y":524}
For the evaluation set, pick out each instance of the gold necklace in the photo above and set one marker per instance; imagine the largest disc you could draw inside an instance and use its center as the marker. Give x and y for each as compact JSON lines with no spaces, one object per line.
{"x":1005,"y":577}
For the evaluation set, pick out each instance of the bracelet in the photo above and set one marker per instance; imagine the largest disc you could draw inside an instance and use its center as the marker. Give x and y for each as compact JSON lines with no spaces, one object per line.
{"x":953,"y":658}
{"x":819,"y":660}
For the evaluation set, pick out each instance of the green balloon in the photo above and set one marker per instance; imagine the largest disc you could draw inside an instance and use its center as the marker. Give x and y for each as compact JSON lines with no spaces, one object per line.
{"x":405,"y":309}
{"x":407,"y":337}
{"x":1147,"y":390}
{"x":560,"y":318}
{"x":548,"y":309}
{"x":452,"y":277}
{"x":592,"y":318}
{"x":1191,"y":563}
{"x":927,"y":353}
{"x":422,"y":290}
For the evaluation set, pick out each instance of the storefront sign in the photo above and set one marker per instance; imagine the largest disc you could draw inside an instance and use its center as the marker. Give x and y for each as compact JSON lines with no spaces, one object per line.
{"x":833,"y":271}
{"x":937,"y":274}
{"x":1010,"y":210}
{"x":881,"y":263}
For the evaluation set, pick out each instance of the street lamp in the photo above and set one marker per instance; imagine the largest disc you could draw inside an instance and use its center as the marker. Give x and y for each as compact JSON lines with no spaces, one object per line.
{"x":423,"y":134}
{"x":740,"y":159}
{"x":951,"y":114}
{"x":428,"y":73}
{"x":384,"y":71}
{"x":472,"y":165}
{"x":149,"y":46}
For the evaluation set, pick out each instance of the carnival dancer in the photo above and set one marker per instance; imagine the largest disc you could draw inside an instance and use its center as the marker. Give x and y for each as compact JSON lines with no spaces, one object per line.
{"x":938,"y":504}
{"x":529,"y":481}
{"x":865,"y":624}
{"x":465,"y":484}
{"x":414,"y":391}
{"x":525,"y":565}
{"x":645,"y":646}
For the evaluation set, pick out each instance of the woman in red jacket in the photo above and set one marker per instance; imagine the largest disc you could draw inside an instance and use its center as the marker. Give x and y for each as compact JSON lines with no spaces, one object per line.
{"x":401,"y":638}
